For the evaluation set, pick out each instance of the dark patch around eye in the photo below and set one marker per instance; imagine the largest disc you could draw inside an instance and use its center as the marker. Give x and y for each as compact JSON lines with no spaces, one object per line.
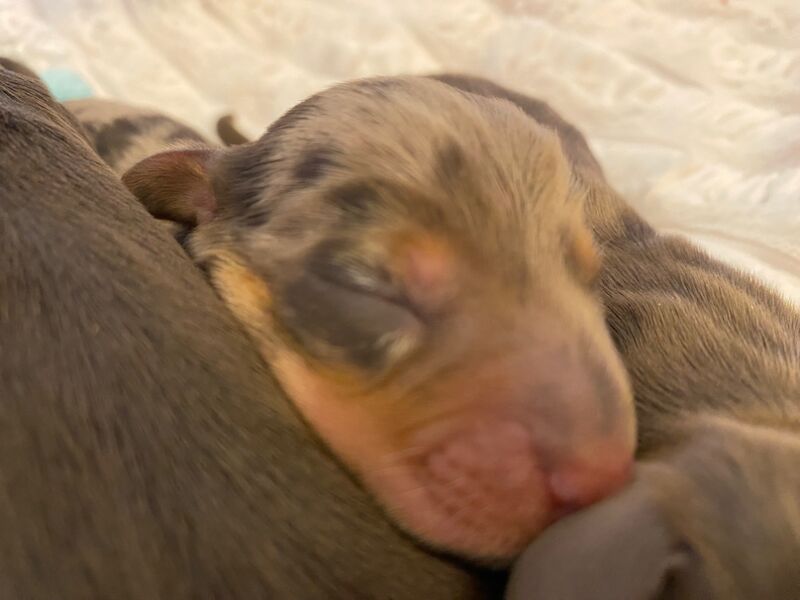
{"x":334,"y":322}
{"x":313,"y":164}
{"x":327,"y":262}
{"x":320,"y":260}
{"x":182,"y":133}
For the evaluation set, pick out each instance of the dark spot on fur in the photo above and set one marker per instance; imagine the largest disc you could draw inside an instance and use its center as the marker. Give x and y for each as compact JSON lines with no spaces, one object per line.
{"x":246,"y":171}
{"x":111,"y":140}
{"x":356,"y":199}
{"x":181,"y":234}
{"x":313,"y":164}
{"x":179,"y":132}
{"x":450,"y":161}
{"x":241,"y":178}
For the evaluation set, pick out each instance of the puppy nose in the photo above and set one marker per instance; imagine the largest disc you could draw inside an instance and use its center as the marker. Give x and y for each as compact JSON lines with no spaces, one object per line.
{"x":584,"y":481}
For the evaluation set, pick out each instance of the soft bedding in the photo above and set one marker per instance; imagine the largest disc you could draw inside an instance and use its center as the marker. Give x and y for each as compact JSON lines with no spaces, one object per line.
{"x":693,"y":106}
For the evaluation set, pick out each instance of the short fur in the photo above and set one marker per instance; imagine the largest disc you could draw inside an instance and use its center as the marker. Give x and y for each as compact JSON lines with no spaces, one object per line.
{"x":144,"y":450}
{"x":714,"y":356}
{"x":421,"y":280}
{"x":123,"y":134}
{"x":715,"y":361}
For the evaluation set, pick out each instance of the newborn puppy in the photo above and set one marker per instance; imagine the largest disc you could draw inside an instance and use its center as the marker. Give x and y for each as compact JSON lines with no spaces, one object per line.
{"x":421,"y":283}
{"x":145,"y":453}
{"x":714,"y":356}
{"x":123,"y":134}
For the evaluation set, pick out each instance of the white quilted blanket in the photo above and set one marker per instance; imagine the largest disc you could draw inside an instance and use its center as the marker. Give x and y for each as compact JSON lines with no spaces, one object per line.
{"x":693,"y":106}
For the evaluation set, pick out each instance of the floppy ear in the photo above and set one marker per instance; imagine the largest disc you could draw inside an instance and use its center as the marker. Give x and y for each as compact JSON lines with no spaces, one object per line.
{"x":622,"y":547}
{"x":175,"y":185}
{"x":227,"y":132}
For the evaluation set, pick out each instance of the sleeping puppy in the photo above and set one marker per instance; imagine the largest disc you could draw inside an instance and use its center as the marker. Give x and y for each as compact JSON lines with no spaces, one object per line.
{"x":421,"y":282}
{"x":123,"y":134}
{"x":714,"y":357}
{"x":145,"y":451}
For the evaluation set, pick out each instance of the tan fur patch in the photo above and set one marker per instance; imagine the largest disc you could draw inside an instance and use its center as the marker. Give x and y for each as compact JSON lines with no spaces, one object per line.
{"x":427,"y":266}
{"x":246,"y":294}
{"x":586,"y":256}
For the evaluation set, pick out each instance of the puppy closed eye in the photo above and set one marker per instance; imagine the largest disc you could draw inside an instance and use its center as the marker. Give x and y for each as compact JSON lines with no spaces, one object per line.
{"x":338,"y":312}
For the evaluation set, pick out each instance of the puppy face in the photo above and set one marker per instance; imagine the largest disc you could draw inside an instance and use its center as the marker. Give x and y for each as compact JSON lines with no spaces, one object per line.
{"x":413,"y":264}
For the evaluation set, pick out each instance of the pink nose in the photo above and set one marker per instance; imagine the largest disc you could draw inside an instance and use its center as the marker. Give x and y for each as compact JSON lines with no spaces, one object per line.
{"x":584,"y":482}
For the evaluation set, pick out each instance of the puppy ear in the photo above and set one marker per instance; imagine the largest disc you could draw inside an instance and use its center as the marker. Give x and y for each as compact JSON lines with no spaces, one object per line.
{"x":622,"y":547}
{"x":175,"y":185}
{"x":227,"y":132}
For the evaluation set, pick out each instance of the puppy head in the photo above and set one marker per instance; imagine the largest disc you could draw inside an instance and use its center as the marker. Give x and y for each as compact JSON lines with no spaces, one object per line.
{"x":413,"y":264}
